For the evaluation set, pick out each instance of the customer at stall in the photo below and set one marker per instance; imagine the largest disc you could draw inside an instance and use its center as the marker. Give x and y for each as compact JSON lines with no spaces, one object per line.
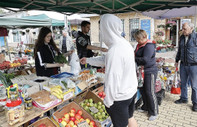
{"x":44,"y":53}
{"x":120,"y":73}
{"x":83,"y":43}
{"x":66,"y":45}
{"x":187,"y":54}
{"x":145,"y":56}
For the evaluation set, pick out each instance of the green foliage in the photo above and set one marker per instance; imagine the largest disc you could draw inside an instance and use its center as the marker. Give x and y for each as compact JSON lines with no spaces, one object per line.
{"x":164,"y":42}
{"x":60,"y":59}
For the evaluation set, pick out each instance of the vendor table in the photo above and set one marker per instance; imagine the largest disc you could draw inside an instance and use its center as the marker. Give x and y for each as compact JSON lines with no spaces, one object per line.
{"x":35,"y":112}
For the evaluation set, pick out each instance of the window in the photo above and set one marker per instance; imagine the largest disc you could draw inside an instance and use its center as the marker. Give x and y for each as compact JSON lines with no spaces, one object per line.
{"x":134,"y":26}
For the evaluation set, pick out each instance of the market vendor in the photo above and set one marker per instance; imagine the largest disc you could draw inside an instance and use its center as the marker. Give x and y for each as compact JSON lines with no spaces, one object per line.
{"x":120,"y":73}
{"x":83,"y":43}
{"x":44,"y":53}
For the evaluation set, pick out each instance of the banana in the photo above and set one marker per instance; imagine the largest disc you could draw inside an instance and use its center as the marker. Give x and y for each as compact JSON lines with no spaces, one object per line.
{"x":56,"y":90}
{"x":57,"y":95}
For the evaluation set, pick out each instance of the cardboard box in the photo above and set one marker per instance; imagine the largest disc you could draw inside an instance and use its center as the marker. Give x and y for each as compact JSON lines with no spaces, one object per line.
{"x":98,"y":90}
{"x":96,"y":99}
{"x":60,"y":113}
{"x":45,"y":120}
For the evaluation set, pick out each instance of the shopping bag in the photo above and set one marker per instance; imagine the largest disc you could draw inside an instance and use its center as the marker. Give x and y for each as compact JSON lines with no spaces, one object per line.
{"x":176,"y":87}
{"x":158,"y":85}
{"x":74,"y":63}
{"x":140,"y":76}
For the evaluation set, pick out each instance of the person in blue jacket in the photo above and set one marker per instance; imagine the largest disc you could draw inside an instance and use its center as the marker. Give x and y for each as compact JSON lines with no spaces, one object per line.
{"x":145,"y":56}
{"x":187,"y":55}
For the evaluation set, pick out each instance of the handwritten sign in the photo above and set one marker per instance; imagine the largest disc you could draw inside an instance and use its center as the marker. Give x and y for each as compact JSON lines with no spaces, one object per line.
{"x":83,"y":124}
{"x":93,"y":109}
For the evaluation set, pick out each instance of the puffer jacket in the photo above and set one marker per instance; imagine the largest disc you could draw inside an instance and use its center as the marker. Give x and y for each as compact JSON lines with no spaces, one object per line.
{"x":187,"y":53}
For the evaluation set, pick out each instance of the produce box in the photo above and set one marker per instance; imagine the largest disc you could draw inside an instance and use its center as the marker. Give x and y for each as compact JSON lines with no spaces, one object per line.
{"x":93,"y":109}
{"x":99,"y":92}
{"x":44,"y":122}
{"x":63,"y":115}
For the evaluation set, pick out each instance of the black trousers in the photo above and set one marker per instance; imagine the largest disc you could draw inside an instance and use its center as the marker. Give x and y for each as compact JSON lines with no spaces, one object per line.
{"x":148,"y":94}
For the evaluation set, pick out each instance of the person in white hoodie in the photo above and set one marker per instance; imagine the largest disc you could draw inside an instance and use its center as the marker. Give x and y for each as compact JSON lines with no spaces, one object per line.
{"x":120,"y":72}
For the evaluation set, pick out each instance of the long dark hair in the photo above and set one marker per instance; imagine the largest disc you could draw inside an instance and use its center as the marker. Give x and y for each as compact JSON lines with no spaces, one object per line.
{"x":40,"y":42}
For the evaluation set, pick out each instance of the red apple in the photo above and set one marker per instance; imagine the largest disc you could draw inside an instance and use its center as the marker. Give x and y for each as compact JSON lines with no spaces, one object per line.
{"x":66,"y":115}
{"x":66,"y":120}
{"x":76,"y":122}
{"x":77,"y":116}
{"x":72,"y":118}
{"x":88,"y":120}
{"x":72,"y":114}
{"x":71,"y":123}
{"x":73,"y":110}
{"x":79,"y":112}
{"x":68,"y":125}
{"x":100,"y":94}
{"x":92,"y":123}
{"x":60,"y":120}
{"x":81,"y":120}
{"x":104,"y":95}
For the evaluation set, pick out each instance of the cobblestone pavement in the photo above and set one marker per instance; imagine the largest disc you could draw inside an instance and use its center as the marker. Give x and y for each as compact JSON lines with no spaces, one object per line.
{"x":170,"y":114}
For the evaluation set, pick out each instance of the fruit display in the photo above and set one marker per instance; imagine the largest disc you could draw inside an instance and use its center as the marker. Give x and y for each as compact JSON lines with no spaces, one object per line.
{"x":57,"y":91}
{"x":97,"y":110}
{"x":60,"y":59}
{"x":101,"y":94}
{"x":5,"y":65}
{"x":44,"y":122}
{"x":73,"y":118}
{"x":101,"y":70}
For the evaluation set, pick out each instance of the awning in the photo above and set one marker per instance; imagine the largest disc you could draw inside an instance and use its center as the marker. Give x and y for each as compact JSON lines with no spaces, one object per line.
{"x":96,"y":6}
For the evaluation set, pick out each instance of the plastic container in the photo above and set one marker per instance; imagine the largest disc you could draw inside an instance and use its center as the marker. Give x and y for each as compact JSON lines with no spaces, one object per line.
{"x":14,"y":114}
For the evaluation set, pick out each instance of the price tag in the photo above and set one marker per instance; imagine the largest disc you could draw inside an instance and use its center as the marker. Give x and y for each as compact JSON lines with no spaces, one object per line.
{"x":93,"y":109}
{"x":83,"y":124}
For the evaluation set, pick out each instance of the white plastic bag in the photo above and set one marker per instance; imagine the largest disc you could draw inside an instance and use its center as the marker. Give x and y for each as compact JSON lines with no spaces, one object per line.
{"x":74,"y":63}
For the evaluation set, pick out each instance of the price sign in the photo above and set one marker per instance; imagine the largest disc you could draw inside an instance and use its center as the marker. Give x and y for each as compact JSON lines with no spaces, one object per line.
{"x":83,"y":124}
{"x":93,"y":109}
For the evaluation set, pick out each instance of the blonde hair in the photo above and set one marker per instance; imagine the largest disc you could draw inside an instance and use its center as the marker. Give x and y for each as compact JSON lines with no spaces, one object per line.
{"x":140,"y":34}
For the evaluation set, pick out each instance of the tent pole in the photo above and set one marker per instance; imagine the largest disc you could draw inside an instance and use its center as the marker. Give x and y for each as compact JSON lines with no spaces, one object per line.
{"x":195,"y":17}
{"x":6,"y":40}
{"x":177,"y":33}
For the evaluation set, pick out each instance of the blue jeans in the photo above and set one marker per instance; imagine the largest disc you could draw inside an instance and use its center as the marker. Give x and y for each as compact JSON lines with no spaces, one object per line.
{"x":185,"y":73}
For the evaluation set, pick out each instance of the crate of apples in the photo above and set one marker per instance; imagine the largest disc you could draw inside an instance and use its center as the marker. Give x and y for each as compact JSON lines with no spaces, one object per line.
{"x":73,"y":116}
{"x":101,"y":94}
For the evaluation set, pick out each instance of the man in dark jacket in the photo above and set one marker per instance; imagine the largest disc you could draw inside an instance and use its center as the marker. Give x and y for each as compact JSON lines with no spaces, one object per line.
{"x":84,"y":47}
{"x":187,"y":54}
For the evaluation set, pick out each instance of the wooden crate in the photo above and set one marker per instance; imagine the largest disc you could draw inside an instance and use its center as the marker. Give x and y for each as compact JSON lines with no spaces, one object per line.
{"x":45,"y":120}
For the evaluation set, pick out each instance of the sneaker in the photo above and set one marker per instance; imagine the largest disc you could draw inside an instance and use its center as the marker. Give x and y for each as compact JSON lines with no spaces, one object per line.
{"x":141,"y":110}
{"x":151,"y":118}
{"x":194,"y":108}
{"x":180,"y":101}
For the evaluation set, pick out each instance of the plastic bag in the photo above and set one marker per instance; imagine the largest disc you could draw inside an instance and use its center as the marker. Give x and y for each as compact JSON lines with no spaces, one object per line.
{"x":176,"y":87}
{"x":74,"y":63}
{"x":140,"y":76}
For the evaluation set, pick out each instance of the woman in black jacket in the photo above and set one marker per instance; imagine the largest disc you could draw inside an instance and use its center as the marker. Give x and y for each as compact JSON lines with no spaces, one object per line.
{"x":44,"y":53}
{"x":145,"y":56}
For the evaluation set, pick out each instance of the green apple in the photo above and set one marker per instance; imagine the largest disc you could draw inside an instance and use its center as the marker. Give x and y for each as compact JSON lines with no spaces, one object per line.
{"x":92,"y":113}
{"x":99,"y":103}
{"x":86,"y":108}
{"x":101,"y":110}
{"x":98,"y":113}
{"x":91,"y":104}
{"x":99,"y":107}
{"x":103,"y":106}
{"x":95,"y":105}
{"x":95,"y":116}
{"x":91,"y":100}
{"x":86,"y":100}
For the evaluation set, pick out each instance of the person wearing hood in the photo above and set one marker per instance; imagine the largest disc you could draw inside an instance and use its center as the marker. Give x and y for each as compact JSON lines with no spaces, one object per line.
{"x":145,"y":56}
{"x":83,"y":43}
{"x":120,"y":72}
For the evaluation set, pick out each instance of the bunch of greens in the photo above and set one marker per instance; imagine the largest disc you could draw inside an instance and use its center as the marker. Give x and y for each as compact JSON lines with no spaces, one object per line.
{"x":60,"y":59}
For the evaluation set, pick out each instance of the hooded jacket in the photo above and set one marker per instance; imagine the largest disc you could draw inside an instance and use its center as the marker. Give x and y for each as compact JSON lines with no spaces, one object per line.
{"x":120,"y":72}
